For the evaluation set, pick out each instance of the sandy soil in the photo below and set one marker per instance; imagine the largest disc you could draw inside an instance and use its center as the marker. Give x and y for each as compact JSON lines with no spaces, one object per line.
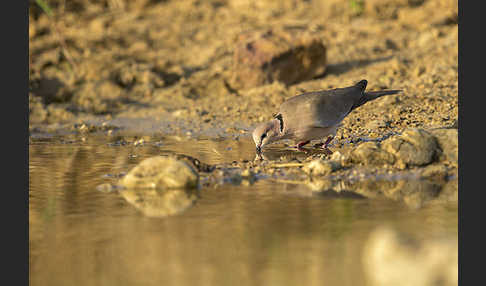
{"x":172,"y":61}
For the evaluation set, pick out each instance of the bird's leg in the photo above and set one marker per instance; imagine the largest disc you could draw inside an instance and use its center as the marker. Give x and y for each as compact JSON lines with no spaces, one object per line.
{"x":328,"y":140}
{"x":324,"y":145}
{"x":299,"y":146}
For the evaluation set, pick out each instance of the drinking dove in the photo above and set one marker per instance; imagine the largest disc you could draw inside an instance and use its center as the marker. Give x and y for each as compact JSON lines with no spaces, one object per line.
{"x":314,"y":115}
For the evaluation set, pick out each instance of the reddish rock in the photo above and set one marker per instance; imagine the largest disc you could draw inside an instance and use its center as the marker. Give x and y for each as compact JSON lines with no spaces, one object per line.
{"x":265,"y":57}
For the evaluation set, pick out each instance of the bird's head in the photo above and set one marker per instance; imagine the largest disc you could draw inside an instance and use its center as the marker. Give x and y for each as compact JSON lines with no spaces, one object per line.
{"x":266,"y":133}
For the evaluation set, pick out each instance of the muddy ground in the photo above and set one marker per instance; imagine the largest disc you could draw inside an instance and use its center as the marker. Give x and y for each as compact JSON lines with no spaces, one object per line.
{"x":168,"y":67}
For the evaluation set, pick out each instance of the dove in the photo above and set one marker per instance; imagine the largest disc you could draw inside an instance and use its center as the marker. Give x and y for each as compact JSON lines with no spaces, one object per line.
{"x":314,"y":115}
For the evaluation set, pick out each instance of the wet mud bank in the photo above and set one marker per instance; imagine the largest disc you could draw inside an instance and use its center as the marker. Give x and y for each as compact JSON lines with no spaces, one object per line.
{"x":415,"y":167}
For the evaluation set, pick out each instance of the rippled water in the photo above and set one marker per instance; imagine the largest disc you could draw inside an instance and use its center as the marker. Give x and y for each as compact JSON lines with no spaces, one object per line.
{"x":264,"y":234}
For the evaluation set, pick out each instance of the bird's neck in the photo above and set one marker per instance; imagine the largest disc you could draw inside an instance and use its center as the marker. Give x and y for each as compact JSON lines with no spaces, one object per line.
{"x":277,"y":126}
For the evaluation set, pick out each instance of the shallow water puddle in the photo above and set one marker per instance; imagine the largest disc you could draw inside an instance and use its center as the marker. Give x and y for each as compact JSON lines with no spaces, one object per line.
{"x":265,"y":233}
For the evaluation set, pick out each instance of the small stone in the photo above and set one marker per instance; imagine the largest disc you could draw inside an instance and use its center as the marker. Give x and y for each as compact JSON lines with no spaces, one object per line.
{"x":336,"y":156}
{"x":447,"y":140}
{"x":370,"y":153}
{"x":320,"y":167}
{"x":105,"y":188}
{"x":139,"y":142}
{"x":415,"y":147}
{"x":247,"y":173}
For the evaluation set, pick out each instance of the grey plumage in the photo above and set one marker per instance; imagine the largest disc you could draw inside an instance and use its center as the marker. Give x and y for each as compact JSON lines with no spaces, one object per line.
{"x":314,"y":115}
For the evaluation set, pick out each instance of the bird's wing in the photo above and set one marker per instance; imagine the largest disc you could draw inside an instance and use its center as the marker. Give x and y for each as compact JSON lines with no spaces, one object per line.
{"x":319,"y":109}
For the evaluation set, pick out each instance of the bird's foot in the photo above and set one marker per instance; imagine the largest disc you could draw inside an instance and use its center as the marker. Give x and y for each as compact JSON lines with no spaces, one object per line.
{"x":324,"y":145}
{"x":301,"y":148}
{"x":324,"y":148}
{"x":259,"y":157}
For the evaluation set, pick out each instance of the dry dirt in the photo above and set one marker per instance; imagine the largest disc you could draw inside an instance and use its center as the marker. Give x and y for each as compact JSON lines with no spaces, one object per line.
{"x":172,"y":62}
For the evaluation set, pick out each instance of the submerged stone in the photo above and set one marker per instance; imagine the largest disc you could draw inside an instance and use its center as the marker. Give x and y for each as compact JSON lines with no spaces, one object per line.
{"x":161,"y":173}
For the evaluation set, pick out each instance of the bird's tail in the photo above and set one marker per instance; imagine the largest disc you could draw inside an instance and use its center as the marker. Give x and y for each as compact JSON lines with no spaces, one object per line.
{"x":372,"y":95}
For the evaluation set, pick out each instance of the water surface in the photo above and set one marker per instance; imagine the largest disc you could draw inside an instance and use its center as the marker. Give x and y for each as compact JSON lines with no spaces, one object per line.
{"x":267,"y":233}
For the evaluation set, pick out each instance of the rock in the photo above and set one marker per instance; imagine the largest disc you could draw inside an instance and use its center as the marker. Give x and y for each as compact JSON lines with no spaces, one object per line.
{"x":264,"y":57}
{"x":391,"y":258}
{"x":51,"y":90}
{"x":320,"y":167}
{"x":105,"y":188}
{"x":161,"y":173}
{"x":337,"y":156}
{"x":447,"y":139}
{"x":248,"y":177}
{"x":160,"y":203}
{"x":370,"y":153}
{"x":343,"y":159}
{"x":415,"y":147}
